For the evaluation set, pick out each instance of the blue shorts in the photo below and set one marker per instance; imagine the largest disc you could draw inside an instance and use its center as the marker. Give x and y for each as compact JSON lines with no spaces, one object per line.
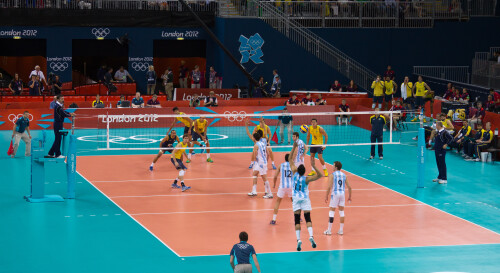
{"x":388,"y":98}
{"x":378,"y":99}
{"x":179,"y":162}
{"x":186,"y":129}
{"x":197,"y":136}
{"x":419,"y":101}
{"x":316,"y":150}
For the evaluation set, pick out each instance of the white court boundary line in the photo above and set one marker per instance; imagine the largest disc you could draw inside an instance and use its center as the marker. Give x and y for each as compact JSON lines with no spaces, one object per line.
{"x":129,"y":215}
{"x":250,"y":210}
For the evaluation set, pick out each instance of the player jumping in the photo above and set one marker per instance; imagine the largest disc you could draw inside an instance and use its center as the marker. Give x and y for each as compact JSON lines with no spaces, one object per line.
{"x":166,"y":145}
{"x":338,"y":181}
{"x":301,"y":201}
{"x":285,"y":187}
{"x":259,"y":157}
{"x":317,"y":133}
{"x":188,"y":128}
{"x":300,"y":150}
{"x":176,"y":158}
{"x":200,"y":127}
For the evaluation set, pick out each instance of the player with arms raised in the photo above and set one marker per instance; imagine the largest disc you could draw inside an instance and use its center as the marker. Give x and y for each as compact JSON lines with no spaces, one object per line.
{"x":259,"y":159}
{"x":300,"y":149}
{"x":317,"y":133}
{"x":267,"y":135}
{"x":200,"y":127}
{"x":336,"y":191}
{"x":300,"y":199}
{"x":176,"y":158}
{"x":166,"y":145}
{"x":188,"y":128}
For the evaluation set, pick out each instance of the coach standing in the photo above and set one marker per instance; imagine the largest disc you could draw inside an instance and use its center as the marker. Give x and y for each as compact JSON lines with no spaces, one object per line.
{"x":241,"y":253}
{"x":59,"y":116}
{"x":377,"y":121}
{"x":443,"y":138}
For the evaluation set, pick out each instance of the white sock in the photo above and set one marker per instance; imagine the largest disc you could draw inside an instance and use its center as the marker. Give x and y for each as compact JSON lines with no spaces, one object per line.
{"x":341,"y":226}
{"x":189,"y":156}
{"x":324,"y":167}
{"x":273,"y":162}
{"x":310,"y":230}
{"x":297,"y":232}
{"x":373,"y":106}
{"x":208,"y":156}
{"x":329,"y":226}
{"x":152,"y":164}
{"x":254,"y":188}
{"x":267,"y":187}
{"x":274,"y":217}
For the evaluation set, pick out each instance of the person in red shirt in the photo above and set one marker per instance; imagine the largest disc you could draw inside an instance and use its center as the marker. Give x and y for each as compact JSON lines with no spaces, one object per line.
{"x":496,"y":99}
{"x":308,"y":100}
{"x":336,"y":87}
{"x":344,"y":108}
{"x":396,"y":117}
{"x":390,"y":73}
{"x":449,"y":91}
{"x":292,"y":101}
{"x":320,"y":100}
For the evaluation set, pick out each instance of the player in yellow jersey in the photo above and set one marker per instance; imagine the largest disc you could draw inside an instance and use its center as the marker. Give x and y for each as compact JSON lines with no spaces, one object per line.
{"x":200,"y":129}
{"x":267,"y":136}
{"x":188,"y":126}
{"x":378,"y":92}
{"x":419,"y":90}
{"x":390,"y":89}
{"x":317,"y":134}
{"x":176,"y":158}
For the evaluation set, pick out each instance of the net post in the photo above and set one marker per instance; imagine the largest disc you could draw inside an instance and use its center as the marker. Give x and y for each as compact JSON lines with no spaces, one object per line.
{"x":390,"y":126}
{"x":421,"y":154}
{"x":107,"y":130}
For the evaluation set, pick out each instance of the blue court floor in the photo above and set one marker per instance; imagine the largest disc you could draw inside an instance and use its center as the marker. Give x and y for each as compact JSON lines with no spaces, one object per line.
{"x":102,"y":238}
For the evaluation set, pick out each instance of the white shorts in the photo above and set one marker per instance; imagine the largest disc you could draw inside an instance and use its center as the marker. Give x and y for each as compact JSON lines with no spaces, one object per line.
{"x":301,"y":204}
{"x":337,"y":200}
{"x":283,"y":191}
{"x":262,"y":169}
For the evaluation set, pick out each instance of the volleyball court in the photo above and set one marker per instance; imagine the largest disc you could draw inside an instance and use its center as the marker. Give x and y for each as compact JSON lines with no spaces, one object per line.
{"x":205,"y":219}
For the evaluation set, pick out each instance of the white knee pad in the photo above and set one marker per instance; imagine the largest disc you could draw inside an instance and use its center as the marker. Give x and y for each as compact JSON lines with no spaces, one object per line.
{"x":181,"y":173}
{"x":341,"y":213}
{"x":331,"y":213}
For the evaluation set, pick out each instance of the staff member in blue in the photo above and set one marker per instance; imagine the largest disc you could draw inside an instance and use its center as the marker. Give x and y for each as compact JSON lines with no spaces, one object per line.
{"x":441,"y":141}
{"x":377,"y":121}
{"x":59,"y":116}
{"x":20,"y":131}
{"x":241,"y":253}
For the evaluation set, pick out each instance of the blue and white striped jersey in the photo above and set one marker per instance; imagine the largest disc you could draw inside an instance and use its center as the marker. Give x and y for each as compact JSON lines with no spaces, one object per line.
{"x":300,"y":190}
{"x":261,"y":153}
{"x":286,"y":176}
{"x":338,"y":183}
{"x":301,"y":149}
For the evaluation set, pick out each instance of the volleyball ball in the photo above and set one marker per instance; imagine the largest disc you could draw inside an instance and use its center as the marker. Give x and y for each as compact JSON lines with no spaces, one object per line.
{"x":304,"y":128}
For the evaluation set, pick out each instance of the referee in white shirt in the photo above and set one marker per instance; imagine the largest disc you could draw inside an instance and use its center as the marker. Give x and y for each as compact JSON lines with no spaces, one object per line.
{"x":39,"y":73}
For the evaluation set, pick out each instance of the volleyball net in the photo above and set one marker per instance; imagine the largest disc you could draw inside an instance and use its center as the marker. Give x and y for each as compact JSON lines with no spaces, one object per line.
{"x":229,"y":130}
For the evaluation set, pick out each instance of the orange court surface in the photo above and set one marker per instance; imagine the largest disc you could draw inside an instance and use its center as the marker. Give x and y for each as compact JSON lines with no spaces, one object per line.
{"x":203,"y":220}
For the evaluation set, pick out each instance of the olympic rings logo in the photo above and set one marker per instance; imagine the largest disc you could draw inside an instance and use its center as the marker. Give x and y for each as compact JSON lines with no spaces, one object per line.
{"x":100,"y":32}
{"x":235,"y":116}
{"x":57,"y":66}
{"x":140,"y":66}
{"x":13,"y":117}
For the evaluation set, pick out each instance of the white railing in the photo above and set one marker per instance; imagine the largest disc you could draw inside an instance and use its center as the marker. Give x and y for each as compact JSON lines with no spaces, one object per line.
{"x":449,"y":73}
{"x":486,"y":71}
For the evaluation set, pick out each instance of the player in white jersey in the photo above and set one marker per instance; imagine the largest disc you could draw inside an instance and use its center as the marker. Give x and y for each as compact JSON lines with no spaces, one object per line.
{"x":300,"y":151}
{"x":265,"y":133}
{"x":300,"y":199}
{"x":259,"y":158}
{"x":285,"y":187}
{"x":336,"y":191}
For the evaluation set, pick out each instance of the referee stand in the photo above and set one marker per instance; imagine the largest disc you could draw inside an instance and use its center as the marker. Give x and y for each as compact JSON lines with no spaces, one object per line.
{"x":39,"y":162}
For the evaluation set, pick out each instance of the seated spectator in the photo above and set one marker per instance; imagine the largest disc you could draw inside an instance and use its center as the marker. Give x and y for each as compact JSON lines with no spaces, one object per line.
{"x":456,"y":94}
{"x":462,"y":134}
{"x":464,"y":97}
{"x":34,"y":86}
{"x":16,"y":85}
{"x":478,"y":116}
{"x":97,"y":103}
{"x":397,"y":117}
{"x":53,"y":103}
{"x":320,"y":100}
{"x":481,"y":144}
{"x":56,"y":86}
{"x":211,"y":100}
{"x":108,"y":81}
{"x":351,"y":87}
{"x":470,"y":141}
{"x":122,"y":74}
{"x":490,"y":104}
{"x":194,"y":101}
{"x":344,"y":108}
{"x":260,"y":89}
{"x":154,"y":102}
{"x":308,"y":100}
{"x":390,"y":73}
{"x":450,"y":91}
{"x":292,"y":101}
{"x":122,"y":103}
{"x":496,"y":99}
{"x":276,"y":87}
{"x":138,"y":101}
{"x":336,"y":87}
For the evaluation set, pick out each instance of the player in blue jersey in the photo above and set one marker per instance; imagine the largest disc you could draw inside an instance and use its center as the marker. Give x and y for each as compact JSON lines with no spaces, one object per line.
{"x":336,"y":191}
{"x":259,"y":158}
{"x":285,"y":187}
{"x":166,"y":145}
{"x":300,"y":199}
{"x":300,"y":150}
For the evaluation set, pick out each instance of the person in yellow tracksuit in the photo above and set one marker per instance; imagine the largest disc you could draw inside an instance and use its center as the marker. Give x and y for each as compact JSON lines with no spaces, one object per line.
{"x":390,"y":89}
{"x":419,"y":90}
{"x":378,"y":92}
